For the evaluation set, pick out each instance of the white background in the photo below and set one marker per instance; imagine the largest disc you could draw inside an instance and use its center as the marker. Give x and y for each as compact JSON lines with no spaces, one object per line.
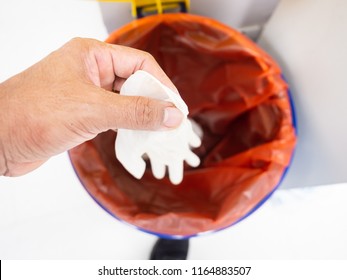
{"x":48,"y":215}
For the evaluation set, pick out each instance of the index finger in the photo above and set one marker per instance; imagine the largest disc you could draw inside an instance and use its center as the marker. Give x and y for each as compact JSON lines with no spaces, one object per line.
{"x":126,"y":61}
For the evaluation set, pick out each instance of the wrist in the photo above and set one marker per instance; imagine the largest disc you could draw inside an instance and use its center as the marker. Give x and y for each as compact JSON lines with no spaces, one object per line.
{"x":3,"y":168}
{"x":3,"y":128}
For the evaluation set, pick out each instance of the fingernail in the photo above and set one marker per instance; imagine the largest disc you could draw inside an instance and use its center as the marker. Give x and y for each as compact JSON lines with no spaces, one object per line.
{"x":172,"y":117}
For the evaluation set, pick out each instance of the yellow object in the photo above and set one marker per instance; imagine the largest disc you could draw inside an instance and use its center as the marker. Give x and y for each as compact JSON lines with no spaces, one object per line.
{"x":150,"y":6}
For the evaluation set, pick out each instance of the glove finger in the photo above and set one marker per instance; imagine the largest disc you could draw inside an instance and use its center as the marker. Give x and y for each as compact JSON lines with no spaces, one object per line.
{"x":132,"y":162}
{"x":192,"y":159}
{"x":194,"y":140}
{"x":176,"y":171}
{"x":158,"y":168}
{"x":136,"y":166}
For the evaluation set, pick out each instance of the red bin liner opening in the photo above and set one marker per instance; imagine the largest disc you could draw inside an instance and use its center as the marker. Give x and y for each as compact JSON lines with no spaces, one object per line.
{"x":236,"y":93}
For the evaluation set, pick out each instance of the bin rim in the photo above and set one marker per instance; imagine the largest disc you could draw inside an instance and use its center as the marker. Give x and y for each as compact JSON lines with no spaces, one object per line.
{"x":229,"y":30}
{"x":256,"y":207}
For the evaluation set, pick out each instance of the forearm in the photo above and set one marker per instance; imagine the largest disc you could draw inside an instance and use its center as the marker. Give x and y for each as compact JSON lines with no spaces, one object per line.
{"x":15,"y":131}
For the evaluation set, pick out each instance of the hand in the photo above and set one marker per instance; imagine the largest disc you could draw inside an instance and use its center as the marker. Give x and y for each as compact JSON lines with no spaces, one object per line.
{"x":69,"y":97}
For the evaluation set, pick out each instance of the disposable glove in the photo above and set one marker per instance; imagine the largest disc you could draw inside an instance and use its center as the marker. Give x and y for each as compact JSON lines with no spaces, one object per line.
{"x":165,"y":148}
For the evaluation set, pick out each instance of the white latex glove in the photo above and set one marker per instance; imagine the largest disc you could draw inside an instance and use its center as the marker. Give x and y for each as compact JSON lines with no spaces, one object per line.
{"x":163,"y":148}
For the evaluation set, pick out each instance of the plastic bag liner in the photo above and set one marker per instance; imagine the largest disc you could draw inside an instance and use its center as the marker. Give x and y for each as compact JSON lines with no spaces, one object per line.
{"x":236,"y":93}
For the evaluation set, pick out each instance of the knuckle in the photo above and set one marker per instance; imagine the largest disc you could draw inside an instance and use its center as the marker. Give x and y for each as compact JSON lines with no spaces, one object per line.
{"x":82,"y":44}
{"x":146,"y":114}
{"x":142,"y":112}
{"x":77,"y":41}
{"x":147,"y":56}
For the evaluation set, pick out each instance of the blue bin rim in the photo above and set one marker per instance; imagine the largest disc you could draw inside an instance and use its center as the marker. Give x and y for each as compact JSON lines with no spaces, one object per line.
{"x":168,"y":236}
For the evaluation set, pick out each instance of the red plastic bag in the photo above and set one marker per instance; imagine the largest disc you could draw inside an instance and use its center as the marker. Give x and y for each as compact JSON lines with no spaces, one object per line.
{"x":235,"y":91}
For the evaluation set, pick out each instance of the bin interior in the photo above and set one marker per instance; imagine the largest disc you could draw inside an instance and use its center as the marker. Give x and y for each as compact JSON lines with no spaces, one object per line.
{"x":236,"y":93}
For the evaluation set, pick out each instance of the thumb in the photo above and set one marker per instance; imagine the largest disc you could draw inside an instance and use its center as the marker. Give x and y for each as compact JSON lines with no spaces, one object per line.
{"x":135,"y":112}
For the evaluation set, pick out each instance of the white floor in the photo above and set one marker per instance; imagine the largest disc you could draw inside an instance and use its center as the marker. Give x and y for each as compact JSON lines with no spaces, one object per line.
{"x":48,"y":215}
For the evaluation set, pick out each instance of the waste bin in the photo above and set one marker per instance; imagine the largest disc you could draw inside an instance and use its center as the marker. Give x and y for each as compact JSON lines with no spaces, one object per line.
{"x":237,"y":95}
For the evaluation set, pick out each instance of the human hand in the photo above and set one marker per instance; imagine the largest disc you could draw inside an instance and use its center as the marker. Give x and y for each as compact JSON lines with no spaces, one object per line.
{"x":67,"y":99}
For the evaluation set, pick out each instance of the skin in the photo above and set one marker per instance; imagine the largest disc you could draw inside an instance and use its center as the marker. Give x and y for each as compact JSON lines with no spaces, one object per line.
{"x":71,"y":96}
